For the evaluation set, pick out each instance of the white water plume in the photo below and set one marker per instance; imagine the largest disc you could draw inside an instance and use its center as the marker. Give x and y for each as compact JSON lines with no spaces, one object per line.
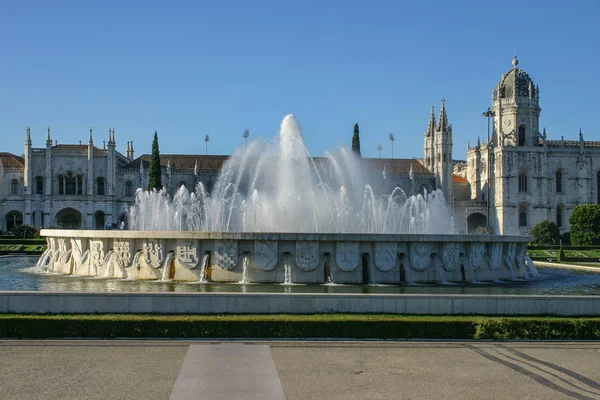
{"x":279,"y":187}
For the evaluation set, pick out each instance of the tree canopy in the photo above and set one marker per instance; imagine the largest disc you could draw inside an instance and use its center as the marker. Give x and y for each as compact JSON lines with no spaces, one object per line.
{"x":585,"y":225}
{"x":545,"y":232}
{"x":155,"y":173}
{"x":356,"y":141}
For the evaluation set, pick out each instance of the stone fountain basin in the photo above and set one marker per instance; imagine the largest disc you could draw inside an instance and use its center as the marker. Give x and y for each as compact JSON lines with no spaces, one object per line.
{"x":347,"y":258}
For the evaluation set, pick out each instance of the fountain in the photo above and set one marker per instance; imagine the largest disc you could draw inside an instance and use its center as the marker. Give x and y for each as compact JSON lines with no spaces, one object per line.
{"x":274,"y":208}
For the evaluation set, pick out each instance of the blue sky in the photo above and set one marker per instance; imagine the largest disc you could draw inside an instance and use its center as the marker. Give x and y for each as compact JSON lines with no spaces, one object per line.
{"x":191,"y":68}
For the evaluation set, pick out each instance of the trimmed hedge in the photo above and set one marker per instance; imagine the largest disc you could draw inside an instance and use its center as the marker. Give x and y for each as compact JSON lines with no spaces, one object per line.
{"x":355,"y":326}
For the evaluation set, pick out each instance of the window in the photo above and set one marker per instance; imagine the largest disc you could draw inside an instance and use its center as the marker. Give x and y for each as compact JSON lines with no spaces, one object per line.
{"x":558,"y":182}
{"x":13,"y":219}
{"x":559,"y":212}
{"x":14,"y":186}
{"x":444,"y":157}
{"x":79,"y":184}
{"x":522,"y":182}
{"x":128,"y":189}
{"x":521,"y":136}
{"x":39,"y":185}
{"x":100,"y":186}
{"x":61,"y":184}
{"x":523,"y":216}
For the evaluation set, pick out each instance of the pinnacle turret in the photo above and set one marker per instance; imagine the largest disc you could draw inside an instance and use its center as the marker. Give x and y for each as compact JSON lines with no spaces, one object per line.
{"x":443,"y":125}
{"x":28,"y":137}
{"x":431,"y":126}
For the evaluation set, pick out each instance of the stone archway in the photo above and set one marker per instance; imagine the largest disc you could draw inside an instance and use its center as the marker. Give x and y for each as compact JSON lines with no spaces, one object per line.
{"x":475,"y":221}
{"x":68,"y":218}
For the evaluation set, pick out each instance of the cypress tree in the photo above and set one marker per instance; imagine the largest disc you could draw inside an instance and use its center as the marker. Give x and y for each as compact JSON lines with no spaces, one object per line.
{"x":356,"y":141}
{"x":155,"y":174}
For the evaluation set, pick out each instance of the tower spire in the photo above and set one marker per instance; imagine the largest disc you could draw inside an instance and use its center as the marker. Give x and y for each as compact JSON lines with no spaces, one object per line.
{"x":90,"y":140}
{"x":28,"y":137}
{"x":443,"y":120}
{"x":431,"y":125}
{"x":48,"y":139}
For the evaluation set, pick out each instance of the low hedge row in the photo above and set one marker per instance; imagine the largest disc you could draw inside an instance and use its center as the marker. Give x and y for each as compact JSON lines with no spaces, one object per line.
{"x":297,"y":326}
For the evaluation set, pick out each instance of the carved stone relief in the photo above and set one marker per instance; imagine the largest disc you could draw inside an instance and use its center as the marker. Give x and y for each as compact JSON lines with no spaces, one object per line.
{"x":226,"y":254}
{"x":153,"y":252}
{"x":386,"y":256}
{"x":476,"y":255}
{"x":346,"y":256}
{"x":307,"y":255}
{"x":420,"y":256}
{"x":450,"y":256}
{"x":266,"y":254}
{"x":495,"y":255}
{"x":188,"y":253}
{"x":122,"y":253}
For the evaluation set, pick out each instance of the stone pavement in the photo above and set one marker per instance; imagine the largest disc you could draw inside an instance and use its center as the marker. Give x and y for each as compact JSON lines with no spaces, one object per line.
{"x":153,"y":369}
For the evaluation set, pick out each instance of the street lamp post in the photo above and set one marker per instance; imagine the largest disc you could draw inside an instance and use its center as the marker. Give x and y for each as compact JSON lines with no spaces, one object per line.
{"x":206,"y":140}
{"x":489,"y":113}
{"x":391,"y":136}
{"x":379,"y":148}
{"x":245,"y":136}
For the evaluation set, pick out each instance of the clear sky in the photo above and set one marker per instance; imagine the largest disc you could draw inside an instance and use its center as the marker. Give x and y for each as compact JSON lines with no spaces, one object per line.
{"x":191,"y":68}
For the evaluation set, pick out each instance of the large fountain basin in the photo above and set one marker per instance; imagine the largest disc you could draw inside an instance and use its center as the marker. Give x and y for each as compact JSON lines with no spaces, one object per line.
{"x":265,"y":257}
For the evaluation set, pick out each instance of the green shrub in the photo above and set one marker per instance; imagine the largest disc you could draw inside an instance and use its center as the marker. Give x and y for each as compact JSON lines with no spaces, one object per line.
{"x":585,"y":225}
{"x":561,"y":255}
{"x":358,"y":326}
{"x":484,"y":230}
{"x":24,"y":232}
{"x":566,"y":238}
{"x":545,"y":232}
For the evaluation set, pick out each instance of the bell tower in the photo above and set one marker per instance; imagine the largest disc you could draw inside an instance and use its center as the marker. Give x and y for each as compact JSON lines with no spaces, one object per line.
{"x":515,"y":102}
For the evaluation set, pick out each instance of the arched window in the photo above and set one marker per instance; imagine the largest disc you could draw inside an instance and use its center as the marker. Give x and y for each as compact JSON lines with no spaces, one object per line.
{"x":523,"y":215}
{"x":79,"y":184}
{"x":39,"y":185}
{"x":61,"y":184}
{"x":522,"y":181}
{"x":13,"y":219}
{"x":559,"y":212}
{"x":100,"y":186}
{"x":558,"y":181}
{"x":521,"y":135}
{"x":99,"y":221}
{"x":14,"y":186}
{"x":70,"y":183}
{"x":128,"y":189}
{"x":444,"y":157}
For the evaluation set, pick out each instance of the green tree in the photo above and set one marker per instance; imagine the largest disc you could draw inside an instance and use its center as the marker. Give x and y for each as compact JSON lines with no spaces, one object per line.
{"x":155,"y":174}
{"x":585,"y":225}
{"x":545,"y":232}
{"x":356,"y":141}
{"x":561,"y":255}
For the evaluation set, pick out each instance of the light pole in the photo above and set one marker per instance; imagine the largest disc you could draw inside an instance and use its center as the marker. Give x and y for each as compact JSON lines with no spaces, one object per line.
{"x":245,"y":136}
{"x":489,"y":113}
{"x":379,"y":148}
{"x":391,"y":136}
{"x":206,"y":140}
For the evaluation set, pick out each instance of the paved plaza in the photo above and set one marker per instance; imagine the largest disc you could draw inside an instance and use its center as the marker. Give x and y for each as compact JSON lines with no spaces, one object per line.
{"x":298,"y":370}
